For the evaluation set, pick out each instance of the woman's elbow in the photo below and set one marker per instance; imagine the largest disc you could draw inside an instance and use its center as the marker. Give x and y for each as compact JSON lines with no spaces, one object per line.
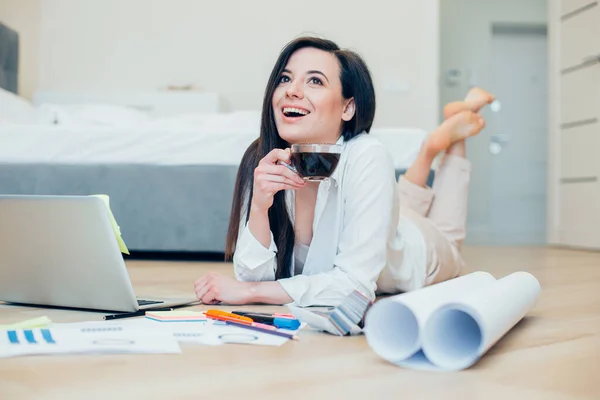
{"x":256,"y":273}
{"x":241,"y":271}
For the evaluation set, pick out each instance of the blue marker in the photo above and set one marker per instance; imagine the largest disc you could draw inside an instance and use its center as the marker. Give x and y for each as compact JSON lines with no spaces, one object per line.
{"x":270,"y":319}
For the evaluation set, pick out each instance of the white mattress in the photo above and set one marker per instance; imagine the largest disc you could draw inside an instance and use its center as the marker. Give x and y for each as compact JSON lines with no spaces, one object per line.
{"x":218,"y":139}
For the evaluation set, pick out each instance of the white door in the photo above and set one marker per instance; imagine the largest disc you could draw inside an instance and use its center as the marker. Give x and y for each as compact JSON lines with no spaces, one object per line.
{"x":507,"y":203}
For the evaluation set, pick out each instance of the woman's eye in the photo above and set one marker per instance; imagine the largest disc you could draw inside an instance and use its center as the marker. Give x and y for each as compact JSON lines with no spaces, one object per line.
{"x":284,"y":79}
{"x":316,"y":81}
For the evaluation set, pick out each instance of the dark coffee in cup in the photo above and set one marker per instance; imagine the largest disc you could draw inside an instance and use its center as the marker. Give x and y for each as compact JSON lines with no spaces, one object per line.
{"x":315,"y":162}
{"x":315,"y":166}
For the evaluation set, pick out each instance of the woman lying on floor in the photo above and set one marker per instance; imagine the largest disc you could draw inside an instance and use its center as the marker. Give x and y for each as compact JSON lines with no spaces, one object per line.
{"x":313,"y":243}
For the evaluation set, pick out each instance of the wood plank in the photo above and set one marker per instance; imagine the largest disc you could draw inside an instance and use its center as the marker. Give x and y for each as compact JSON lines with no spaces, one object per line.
{"x":579,"y":151}
{"x":580,"y":95}
{"x":579,"y":35}
{"x":579,"y":218}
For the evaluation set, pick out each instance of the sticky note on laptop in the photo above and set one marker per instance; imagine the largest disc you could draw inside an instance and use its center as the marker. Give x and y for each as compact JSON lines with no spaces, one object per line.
{"x":176,"y":316}
{"x":116,"y":228}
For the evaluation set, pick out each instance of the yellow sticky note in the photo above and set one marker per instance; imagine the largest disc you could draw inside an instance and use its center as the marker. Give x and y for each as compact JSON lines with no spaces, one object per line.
{"x":176,"y":315}
{"x":115,"y":227}
{"x":28,"y":324}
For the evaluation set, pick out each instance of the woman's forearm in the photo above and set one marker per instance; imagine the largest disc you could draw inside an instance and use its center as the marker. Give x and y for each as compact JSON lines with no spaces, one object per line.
{"x":267,"y":293}
{"x":258,"y":223}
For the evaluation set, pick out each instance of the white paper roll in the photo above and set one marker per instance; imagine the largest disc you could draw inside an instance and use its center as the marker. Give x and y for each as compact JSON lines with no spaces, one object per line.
{"x":457,"y":334}
{"x":393,"y":325}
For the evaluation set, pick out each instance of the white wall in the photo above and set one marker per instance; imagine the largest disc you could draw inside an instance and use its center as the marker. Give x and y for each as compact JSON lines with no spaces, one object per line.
{"x":24,"y":16}
{"x":230,"y":47}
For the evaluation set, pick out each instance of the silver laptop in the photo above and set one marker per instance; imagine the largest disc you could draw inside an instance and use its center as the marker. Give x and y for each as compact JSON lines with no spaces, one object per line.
{"x":61,"y":251}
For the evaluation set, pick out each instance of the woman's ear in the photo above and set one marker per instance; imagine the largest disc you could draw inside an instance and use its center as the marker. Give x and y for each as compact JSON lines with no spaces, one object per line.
{"x":349,"y":109}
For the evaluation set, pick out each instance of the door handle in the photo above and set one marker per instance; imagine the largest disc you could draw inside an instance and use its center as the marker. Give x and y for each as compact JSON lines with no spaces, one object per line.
{"x":497,"y":141}
{"x":593,"y":59}
{"x":500,"y":138}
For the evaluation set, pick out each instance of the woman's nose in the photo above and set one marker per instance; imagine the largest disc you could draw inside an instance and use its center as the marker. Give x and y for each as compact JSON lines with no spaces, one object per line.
{"x":295,"y":89}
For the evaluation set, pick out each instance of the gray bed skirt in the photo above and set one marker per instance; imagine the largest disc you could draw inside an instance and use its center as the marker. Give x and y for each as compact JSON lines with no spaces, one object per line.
{"x":159,"y":208}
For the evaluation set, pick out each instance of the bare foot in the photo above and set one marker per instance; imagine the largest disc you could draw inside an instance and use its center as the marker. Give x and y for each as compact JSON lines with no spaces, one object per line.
{"x":476,"y":98}
{"x":456,"y":128}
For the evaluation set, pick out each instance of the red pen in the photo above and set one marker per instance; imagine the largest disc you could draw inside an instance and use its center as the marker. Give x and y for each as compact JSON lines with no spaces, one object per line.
{"x":264,"y":326}
{"x":284,"y":315}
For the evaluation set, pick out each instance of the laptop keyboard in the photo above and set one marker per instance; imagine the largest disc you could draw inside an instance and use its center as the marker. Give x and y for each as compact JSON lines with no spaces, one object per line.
{"x":147,"y":302}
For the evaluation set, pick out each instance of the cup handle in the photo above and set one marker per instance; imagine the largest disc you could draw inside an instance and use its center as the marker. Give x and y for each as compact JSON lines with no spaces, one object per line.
{"x":288,"y":166}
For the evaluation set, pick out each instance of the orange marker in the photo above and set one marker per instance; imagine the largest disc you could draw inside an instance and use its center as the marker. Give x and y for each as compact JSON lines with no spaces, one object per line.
{"x":225,"y":316}
{"x":227,"y":319}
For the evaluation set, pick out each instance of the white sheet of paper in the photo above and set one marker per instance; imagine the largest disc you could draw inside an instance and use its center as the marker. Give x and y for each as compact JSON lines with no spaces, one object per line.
{"x":450,"y":325}
{"x":210,"y":332}
{"x":86,"y":339}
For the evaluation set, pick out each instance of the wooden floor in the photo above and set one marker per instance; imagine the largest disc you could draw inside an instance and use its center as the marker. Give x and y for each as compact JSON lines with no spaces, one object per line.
{"x":553,"y":354}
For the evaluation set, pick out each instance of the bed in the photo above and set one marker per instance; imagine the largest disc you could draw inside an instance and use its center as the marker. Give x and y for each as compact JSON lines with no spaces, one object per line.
{"x":169,"y":175}
{"x":170,"y":188}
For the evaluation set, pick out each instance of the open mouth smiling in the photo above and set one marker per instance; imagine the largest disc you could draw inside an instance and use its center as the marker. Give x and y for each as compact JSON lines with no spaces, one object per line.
{"x":294,"y":112}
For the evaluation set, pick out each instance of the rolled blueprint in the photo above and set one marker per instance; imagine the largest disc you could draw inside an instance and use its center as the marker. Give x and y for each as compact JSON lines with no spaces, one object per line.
{"x":393,"y":325}
{"x":450,"y":325}
{"x":460,"y":332}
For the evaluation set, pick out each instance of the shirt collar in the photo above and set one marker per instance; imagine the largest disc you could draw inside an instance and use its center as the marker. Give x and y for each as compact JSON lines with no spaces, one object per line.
{"x":336,"y":174}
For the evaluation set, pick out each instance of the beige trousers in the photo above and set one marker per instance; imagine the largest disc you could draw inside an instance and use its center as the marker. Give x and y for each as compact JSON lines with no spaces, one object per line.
{"x":439,"y":214}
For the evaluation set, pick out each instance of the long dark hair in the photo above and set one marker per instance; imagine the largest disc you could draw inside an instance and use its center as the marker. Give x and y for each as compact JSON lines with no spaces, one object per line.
{"x":356,"y":83}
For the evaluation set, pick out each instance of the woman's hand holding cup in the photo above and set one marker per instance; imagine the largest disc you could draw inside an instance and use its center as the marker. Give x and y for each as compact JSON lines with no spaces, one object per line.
{"x":270,"y":177}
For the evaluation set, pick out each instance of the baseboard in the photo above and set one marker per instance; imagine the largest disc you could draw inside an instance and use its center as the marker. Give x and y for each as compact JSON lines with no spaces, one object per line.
{"x":484,"y":236}
{"x":176,"y":256}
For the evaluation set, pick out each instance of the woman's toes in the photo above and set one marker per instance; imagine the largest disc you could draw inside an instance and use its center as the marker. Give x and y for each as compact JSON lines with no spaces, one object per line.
{"x":477,"y":124}
{"x":478,"y":98}
{"x":454,"y":108}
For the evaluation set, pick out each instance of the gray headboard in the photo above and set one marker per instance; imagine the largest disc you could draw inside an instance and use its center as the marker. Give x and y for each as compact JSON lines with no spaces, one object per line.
{"x":9,"y":59}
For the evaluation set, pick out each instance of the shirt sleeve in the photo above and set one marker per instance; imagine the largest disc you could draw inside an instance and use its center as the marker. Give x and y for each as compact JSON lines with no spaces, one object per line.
{"x":368,"y":193}
{"x":253,"y":262}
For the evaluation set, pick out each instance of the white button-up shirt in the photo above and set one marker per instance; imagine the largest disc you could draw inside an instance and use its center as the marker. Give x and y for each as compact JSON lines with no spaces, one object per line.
{"x":354,"y":231}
